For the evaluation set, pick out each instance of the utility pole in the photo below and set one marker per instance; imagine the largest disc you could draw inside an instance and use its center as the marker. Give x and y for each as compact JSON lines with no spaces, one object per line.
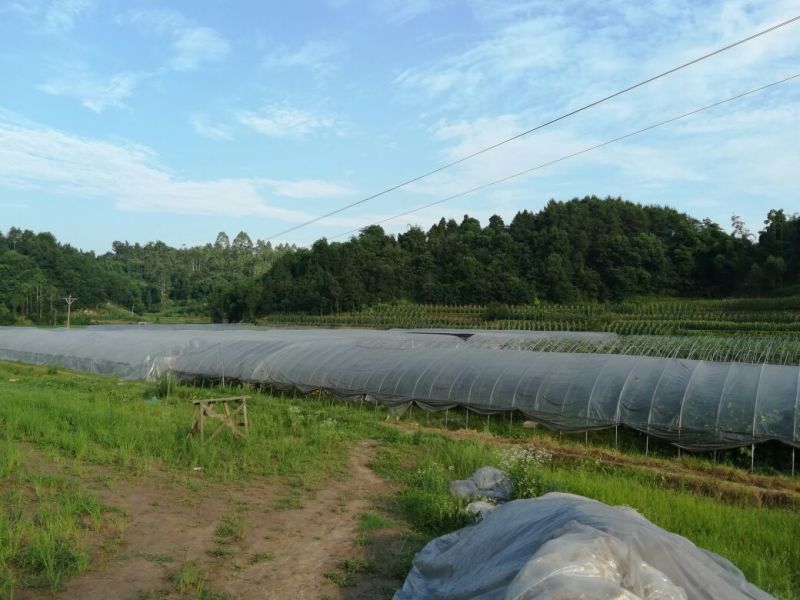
{"x":69,"y":300}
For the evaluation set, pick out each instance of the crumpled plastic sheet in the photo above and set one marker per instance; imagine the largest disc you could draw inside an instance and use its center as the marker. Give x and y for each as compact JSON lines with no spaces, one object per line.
{"x":485,"y":482}
{"x":567,"y":547}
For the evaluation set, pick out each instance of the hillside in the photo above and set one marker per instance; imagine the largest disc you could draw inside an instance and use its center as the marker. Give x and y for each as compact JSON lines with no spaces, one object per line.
{"x":587,"y":249}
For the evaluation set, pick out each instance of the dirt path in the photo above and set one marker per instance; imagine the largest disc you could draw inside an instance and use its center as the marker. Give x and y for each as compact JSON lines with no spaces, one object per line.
{"x":312,"y":540}
{"x":286,"y":543}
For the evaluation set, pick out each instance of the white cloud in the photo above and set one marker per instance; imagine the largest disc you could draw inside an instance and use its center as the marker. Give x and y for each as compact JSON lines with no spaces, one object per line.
{"x":156,"y":21}
{"x":285,"y":122}
{"x":402,"y":11}
{"x":25,"y":9}
{"x":95,"y":93}
{"x":313,"y":55}
{"x":549,"y":56}
{"x":49,"y":16}
{"x":518,"y":49}
{"x":396,"y":12}
{"x":213,"y":131}
{"x":37,"y":158}
{"x":60,"y":15}
{"x":197,"y":45}
{"x":192,"y":45}
{"x":309,"y":188}
{"x":727,"y":157}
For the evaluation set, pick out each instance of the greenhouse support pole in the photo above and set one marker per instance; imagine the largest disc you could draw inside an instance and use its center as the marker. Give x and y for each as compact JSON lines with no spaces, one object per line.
{"x":616,"y":437}
{"x":446,"y":410}
{"x":647,"y":447}
{"x":793,"y":449}
{"x":467,"y":420}
{"x":586,"y":437}
{"x":487,"y":420}
{"x":511,"y":419}
{"x":221,"y":363}
{"x":752,"y":457}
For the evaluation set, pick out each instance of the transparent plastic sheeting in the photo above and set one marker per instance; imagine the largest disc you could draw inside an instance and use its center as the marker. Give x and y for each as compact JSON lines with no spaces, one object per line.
{"x":697,"y":405}
{"x":565,"y":546}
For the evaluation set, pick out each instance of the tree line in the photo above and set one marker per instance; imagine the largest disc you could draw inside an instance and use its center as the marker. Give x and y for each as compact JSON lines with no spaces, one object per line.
{"x":581,"y":249}
{"x":36,"y":272}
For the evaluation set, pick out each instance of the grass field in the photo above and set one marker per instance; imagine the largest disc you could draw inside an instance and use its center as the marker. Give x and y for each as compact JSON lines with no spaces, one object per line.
{"x":56,"y":427}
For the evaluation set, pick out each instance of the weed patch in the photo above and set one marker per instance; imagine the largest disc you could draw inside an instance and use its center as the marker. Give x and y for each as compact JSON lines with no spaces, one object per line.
{"x":371,"y":521}
{"x":259,"y":557}
{"x":44,"y":522}
{"x":230,"y":528}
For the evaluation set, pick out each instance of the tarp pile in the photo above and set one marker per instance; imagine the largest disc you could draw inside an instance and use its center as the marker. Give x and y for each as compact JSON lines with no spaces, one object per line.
{"x":562,"y":546}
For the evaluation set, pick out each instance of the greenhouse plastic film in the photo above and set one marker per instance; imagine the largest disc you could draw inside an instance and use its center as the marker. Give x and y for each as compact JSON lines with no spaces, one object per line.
{"x":565,"y":546}
{"x":701,"y":405}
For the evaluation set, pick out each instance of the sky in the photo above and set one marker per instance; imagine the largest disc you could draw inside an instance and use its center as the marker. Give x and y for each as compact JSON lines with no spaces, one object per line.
{"x":143,"y":120}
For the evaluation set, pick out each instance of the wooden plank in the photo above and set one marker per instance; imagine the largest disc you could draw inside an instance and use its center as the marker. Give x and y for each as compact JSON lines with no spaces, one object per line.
{"x":213,"y":400}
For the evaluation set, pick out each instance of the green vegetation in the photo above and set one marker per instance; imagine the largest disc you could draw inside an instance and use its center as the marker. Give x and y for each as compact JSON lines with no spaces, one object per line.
{"x":98,"y":420}
{"x":371,"y":521}
{"x":582,"y":250}
{"x":189,"y":580}
{"x":343,"y":576}
{"x":587,"y":249}
{"x":230,"y":529}
{"x":188,"y":577}
{"x":46,"y":522}
{"x":258,"y":557}
{"x":153,"y":282}
{"x":754,"y":317}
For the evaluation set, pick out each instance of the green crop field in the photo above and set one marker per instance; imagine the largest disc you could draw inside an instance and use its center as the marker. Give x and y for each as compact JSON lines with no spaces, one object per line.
{"x":62,"y":432}
{"x":768,"y":317}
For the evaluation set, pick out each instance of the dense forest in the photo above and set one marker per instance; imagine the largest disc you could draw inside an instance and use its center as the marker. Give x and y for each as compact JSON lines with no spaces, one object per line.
{"x":36,"y":271}
{"x":587,"y":249}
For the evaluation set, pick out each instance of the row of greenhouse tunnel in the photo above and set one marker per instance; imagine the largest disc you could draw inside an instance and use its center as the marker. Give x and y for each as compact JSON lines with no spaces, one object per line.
{"x":694,"y":404}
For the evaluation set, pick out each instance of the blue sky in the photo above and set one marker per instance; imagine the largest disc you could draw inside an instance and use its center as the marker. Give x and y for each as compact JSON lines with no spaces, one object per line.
{"x":175,"y":120}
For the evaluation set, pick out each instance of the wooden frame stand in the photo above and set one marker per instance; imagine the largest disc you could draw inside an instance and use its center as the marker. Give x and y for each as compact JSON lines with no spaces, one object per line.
{"x":233,"y":416}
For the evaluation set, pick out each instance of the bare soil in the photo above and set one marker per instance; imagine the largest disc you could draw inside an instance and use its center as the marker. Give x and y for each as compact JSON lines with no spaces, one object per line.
{"x":291,"y":545}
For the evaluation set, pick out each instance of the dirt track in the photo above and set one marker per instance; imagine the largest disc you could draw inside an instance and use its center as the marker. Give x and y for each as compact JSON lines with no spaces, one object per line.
{"x":299,"y":538}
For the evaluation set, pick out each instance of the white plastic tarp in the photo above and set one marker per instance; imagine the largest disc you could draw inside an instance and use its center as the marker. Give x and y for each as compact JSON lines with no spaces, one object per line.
{"x":562,"y":546}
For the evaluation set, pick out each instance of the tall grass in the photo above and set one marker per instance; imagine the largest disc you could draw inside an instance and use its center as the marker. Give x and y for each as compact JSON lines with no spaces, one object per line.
{"x":43,"y":522}
{"x":100,"y":420}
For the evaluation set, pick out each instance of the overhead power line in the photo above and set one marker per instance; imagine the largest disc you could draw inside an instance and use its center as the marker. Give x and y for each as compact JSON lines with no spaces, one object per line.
{"x":538,"y":127}
{"x":573,"y":155}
